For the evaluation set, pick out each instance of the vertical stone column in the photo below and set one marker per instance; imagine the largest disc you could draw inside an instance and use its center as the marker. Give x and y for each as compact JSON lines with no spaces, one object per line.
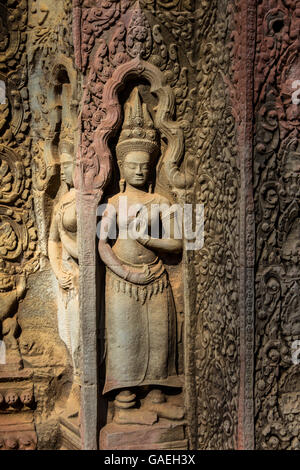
{"x":243,"y":67}
{"x":87,"y":207}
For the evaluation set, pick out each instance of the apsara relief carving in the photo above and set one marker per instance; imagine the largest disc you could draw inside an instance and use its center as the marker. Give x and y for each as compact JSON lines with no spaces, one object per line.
{"x":154,"y":101}
{"x":36,"y":374}
{"x":129,"y":48}
{"x":54,"y":93}
{"x":139,"y":299}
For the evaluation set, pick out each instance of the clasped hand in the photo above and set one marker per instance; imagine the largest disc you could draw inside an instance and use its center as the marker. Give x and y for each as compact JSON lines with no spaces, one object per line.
{"x":138,"y":277}
{"x":66,"y":280}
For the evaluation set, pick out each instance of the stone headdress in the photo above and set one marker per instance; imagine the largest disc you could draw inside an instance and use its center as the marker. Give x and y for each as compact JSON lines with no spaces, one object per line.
{"x":138,"y":132}
{"x":66,"y":145}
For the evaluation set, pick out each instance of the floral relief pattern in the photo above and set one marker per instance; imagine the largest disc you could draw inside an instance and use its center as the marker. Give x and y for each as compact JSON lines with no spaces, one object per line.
{"x":195,"y":61}
{"x":276,"y":182}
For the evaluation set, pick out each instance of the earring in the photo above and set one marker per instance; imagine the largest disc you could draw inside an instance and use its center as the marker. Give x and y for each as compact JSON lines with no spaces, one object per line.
{"x":122,"y":185}
{"x":150,"y":189}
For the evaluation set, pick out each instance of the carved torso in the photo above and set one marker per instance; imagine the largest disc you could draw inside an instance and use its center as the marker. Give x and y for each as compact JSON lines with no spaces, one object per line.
{"x":69,"y":221}
{"x":66,"y":220}
{"x":130,"y":250}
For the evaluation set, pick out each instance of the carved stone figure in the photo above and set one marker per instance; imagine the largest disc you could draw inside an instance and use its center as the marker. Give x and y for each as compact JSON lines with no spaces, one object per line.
{"x":9,"y":297}
{"x":63,"y":255}
{"x":140,"y":315}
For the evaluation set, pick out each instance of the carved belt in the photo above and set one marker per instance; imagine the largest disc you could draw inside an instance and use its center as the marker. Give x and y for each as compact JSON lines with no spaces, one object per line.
{"x":140,"y":293}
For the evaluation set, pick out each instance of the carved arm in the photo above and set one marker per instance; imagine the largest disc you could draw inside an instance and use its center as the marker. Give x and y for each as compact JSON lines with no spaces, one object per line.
{"x":170,"y":244}
{"x":112,"y":261}
{"x":70,"y":244}
{"x":55,"y":254}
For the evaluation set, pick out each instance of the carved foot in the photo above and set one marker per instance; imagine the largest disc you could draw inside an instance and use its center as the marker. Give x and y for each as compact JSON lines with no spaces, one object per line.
{"x":125,"y":399}
{"x":125,"y":413}
{"x":134,"y":416}
{"x":156,"y":396}
{"x":156,"y":402}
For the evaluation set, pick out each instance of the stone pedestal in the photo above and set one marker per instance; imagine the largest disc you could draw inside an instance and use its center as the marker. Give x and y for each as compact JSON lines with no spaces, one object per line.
{"x":17,"y":429}
{"x":164,"y":435}
{"x":17,"y":432}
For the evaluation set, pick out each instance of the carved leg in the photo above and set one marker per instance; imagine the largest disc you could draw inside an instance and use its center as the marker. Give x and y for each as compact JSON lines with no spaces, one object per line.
{"x":9,"y":332}
{"x":156,"y":401}
{"x":126,"y":413}
{"x":8,"y":305}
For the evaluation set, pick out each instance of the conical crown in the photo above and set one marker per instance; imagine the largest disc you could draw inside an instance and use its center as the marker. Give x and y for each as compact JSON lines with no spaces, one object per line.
{"x":138,"y":132}
{"x":66,"y":144}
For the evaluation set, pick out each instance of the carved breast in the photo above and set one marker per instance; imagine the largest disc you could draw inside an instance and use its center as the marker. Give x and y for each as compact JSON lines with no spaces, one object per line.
{"x":69,"y":220}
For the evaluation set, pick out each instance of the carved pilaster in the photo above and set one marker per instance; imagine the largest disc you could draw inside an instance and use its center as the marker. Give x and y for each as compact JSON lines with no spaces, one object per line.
{"x":276,"y":181}
{"x":18,"y":253}
{"x":54,"y":91}
{"x":115,"y":48}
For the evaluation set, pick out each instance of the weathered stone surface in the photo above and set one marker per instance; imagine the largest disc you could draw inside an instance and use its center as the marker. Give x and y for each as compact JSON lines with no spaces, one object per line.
{"x":276,"y":172}
{"x":164,"y":435}
{"x":214,"y":87}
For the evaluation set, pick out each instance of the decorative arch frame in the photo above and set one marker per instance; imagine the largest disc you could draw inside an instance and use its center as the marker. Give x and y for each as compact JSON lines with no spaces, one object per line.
{"x":93,"y":173}
{"x":170,"y":129}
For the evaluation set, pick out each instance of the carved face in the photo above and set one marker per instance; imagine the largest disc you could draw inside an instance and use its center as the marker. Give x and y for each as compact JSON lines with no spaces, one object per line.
{"x":67,"y":167}
{"x":136,"y":168}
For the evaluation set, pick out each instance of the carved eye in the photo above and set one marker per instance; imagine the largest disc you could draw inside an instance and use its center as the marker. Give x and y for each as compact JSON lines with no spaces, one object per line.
{"x":131,"y":166}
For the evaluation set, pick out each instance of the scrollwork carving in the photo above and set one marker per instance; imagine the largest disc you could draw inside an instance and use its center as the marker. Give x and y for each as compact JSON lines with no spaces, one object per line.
{"x":12,"y":175}
{"x":277,"y":209}
{"x":193,"y":113}
{"x":216,"y":270}
{"x":18,"y":237}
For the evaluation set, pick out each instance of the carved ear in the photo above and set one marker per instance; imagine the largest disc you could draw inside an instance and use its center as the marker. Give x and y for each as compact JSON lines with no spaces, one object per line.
{"x":121,"y":166}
